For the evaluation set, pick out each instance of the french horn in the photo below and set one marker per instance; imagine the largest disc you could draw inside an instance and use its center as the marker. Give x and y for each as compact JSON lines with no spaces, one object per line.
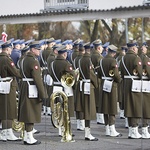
{"x":60,"y":115}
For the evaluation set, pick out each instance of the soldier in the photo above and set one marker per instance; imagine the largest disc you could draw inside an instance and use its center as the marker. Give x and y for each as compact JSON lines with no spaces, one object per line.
{"x":22,"y":44}
{"x":131,"y":71}
{"x":89,"y":82}
{"x":16,"y":53}
{"x":75,"y":51}
{"x":30,"y":105}
{"x":105,"y":49}
{"x":78,"y":92}
{"x":108,"y":72}
{"x":58,"y":68}
{"x":44,"y":55}
{"x":146,"y":91}
{"x":8,"y":107}
{"x":120,"y":87}
{"x":48,"y":79}
{"x":95,"y":58}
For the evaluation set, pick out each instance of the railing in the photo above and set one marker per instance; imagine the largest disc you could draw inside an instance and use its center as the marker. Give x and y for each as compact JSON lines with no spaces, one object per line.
{"x":63,"y":4}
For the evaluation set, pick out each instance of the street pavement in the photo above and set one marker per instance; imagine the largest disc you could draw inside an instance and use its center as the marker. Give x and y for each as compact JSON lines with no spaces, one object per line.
{"x":51,"y":141}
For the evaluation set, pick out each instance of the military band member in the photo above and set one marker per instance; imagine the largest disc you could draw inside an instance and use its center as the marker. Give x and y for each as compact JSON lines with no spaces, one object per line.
{"x":58,"y":68}
{"x":8,"y":107}
{"x":44,"y":55}
{"x":89,"y":83}
{"x":131,"y":69}
{"x":48,"y":79}
{"x":108,"y":71}
{"x":78,"y":92}
{"x":75,"y":50}
{"x":146,"y":103}
{"x":16,"y":53}
{"x":120,"y":86}
{"x":95,"y":58}
{"x":29,"y":110}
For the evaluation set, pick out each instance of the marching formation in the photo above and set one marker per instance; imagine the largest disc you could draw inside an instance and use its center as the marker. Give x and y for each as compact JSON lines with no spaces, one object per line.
{"x":79,"y":79}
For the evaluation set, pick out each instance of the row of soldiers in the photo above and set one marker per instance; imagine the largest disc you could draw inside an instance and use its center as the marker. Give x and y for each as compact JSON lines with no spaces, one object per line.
{"x":96,"y":91}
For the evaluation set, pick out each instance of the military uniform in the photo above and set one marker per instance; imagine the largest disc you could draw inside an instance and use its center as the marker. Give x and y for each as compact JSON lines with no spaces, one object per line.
{"x":78,"y":93}
{"x":88,"y":99}
{"x":16,"y":53}
{"x":95,"y":58}
{"x":109,"y":99}
{"x":146,"y":95}
{"x":43,"y":62}
{"x":133,"y":100}
{"x":62,"y":66}
{"x":8,"y":69}
{"x":8,"y":107}
{"x":30,"y":108}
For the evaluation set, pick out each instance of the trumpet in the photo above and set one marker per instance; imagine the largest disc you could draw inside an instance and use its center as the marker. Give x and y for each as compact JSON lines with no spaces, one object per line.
{"x":135,"y":72}
{"x":111,"y":73}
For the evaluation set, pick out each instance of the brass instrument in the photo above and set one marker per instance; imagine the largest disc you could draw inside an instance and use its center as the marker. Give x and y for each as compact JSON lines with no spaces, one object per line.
{"x":111,"y":73}
{"x":16,"y":125}
{"x":60,"y":115}
{"x":68,"y":80}
{"x":135,"y":72}
{"x":144,"y":72}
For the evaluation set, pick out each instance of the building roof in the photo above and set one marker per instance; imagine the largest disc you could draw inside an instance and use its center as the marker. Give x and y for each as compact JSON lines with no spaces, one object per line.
{"x":77,"y":14}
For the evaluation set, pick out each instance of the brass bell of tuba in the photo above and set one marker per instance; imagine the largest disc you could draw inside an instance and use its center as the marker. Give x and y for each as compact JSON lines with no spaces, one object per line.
{"x":60,"y":115}
{"x":111,"y":73}
{"x":67,"y":80}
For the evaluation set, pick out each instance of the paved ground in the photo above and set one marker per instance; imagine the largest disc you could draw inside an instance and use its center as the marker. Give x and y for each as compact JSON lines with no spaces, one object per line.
{"x":51,"y":141}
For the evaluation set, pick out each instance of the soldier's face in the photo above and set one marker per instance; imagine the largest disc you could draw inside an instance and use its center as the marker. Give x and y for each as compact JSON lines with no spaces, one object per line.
{"x":9,"y":50}
{"x":36,"y":52}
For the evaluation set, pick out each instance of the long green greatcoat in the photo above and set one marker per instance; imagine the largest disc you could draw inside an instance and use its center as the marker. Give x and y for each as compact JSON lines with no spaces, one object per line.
{"x":78,"y":93}
{"x":146,"y":96}
{"x":8,"y":105}
{"x":95,"y":58}
{"x":30,"y":108}
{"x":62,"y":66}
{"x":88,"y":101}
{"x":109,"y":100}
{"x":132,"y":100}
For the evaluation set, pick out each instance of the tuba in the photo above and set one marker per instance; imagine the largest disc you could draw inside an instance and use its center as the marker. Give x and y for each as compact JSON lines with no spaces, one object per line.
{"x":68,"y":80}
{"x":60,"y":115}
{"x":16,"y":125}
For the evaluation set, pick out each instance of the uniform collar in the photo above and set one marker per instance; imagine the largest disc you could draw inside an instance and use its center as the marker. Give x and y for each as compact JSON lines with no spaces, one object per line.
{"x":4,"y":54}
{"x":60,"y":57}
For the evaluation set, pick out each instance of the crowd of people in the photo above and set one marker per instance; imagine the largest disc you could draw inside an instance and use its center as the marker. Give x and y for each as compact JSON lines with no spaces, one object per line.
{"x":34,"y":69}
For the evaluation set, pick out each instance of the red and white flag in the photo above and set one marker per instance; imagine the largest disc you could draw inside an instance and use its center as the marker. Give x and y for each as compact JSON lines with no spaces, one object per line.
{"x":4,"y":37}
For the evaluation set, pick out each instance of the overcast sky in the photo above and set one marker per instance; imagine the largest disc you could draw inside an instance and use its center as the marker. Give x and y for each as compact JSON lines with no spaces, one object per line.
{"x":33,"y":6}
